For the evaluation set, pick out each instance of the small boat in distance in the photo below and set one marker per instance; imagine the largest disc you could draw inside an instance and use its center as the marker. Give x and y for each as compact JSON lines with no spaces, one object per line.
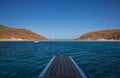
{"x":36,"y":41}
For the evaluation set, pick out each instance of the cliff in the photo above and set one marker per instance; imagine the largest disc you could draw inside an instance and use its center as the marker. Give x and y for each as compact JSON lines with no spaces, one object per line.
{"x":18,"y":34}
{"x":101,"y":35}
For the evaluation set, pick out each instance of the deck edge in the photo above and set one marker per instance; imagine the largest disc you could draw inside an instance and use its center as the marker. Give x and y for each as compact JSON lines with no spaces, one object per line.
{"x":42,"y":74}
{"x":79,"y":69}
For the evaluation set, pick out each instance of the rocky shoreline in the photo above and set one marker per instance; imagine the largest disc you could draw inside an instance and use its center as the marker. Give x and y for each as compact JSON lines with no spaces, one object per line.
{"x":103,"y":35}
{"x":59,"y":41}
{"x":15,"y":34}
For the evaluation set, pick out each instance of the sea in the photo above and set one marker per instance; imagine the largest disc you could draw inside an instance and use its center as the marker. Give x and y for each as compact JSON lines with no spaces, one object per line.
{"x":28,"y":59}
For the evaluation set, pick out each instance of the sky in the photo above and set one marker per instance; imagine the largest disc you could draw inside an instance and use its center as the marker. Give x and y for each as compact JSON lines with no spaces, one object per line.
{"x":61,"y":19}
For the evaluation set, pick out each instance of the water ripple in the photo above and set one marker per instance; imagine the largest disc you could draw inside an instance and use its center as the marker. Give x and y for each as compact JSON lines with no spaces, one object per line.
{"x":27,"y":60}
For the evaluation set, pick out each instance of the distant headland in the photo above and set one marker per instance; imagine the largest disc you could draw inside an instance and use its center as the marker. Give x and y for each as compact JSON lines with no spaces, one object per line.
{"x":15,"y":34}
{"x":103,"y":35}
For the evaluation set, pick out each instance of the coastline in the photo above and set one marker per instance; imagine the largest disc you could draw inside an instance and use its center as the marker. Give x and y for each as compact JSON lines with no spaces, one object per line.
{"x":59,"y":40}
{"x":78,"y":41}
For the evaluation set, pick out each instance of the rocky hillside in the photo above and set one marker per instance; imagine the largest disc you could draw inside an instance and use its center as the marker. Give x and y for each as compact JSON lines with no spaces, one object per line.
{"x":102,"y":35}
{"x":18,"y":34}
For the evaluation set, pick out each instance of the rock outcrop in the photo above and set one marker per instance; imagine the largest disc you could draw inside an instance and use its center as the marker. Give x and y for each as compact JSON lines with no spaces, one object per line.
{"x":18,"y":34}
{"x":101,"y":35}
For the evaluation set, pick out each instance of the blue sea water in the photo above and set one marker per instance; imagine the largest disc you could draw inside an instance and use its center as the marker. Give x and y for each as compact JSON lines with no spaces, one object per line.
{"x":27,"y":59}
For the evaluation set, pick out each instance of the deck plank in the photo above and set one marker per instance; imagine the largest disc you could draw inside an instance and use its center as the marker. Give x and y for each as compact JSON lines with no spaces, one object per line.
{"x":62,"y":67}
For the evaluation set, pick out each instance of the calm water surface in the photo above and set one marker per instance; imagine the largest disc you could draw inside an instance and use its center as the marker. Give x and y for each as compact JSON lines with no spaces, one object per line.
{"x":27,"y":59}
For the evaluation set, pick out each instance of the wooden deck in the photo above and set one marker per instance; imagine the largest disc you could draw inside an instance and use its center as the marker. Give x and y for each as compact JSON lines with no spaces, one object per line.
{"x":62,"y":67}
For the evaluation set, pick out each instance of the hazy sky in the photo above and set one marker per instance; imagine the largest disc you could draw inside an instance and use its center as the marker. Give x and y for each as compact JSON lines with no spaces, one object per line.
{"x":61,"y":19}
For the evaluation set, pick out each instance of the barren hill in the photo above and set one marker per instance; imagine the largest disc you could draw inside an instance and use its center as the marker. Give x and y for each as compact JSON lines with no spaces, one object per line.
{"x":18,"y":34}
{"x":101,"y":35}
